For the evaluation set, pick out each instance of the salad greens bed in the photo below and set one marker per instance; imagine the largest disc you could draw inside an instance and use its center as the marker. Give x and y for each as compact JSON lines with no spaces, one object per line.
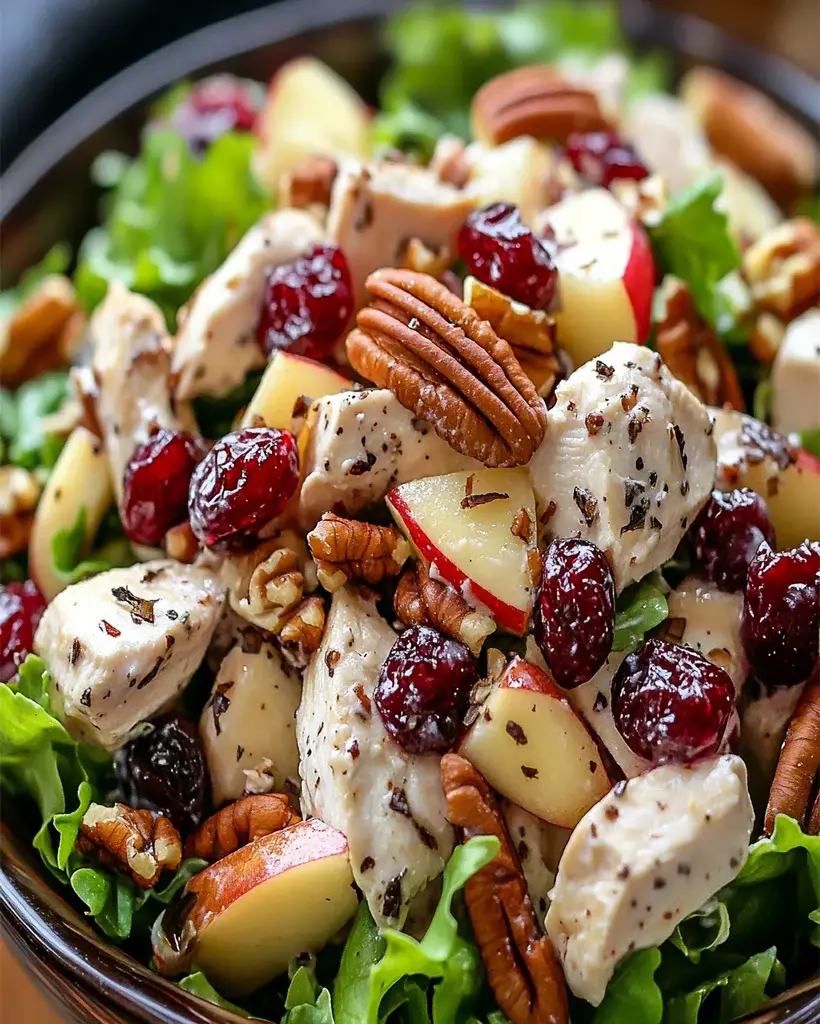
{"x":169,"y":219}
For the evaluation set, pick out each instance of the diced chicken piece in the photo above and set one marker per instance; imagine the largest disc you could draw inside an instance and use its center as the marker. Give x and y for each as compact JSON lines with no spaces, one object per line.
{"x":647,"y":855}
{"x":764,"y":719}
{"x":121,"y":646}
{"x":796,"y":376}
{"x":627,"y":461}
{"x":516,"y":172}
{"x":539,"y":846}
{"x":362,"y":443}
{"x":668,"y":139}
{"x":388,"y":803}
{"x":216,"y":346}
{"x":709,"y":621}
{"x":131,"y":365}
{"x":376,"y":210}
{"x":249,"y":722}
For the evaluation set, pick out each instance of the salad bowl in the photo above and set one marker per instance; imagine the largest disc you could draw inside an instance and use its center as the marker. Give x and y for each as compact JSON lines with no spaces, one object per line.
{"x":88,"y":977}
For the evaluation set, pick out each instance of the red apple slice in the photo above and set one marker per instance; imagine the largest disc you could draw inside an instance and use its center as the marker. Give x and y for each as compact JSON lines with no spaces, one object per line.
{"x":478,"y":532}
{"x":606,"y":274}
{"x":530,"y":745}
{"x":309,"y":109}
{"x":258,"y":907}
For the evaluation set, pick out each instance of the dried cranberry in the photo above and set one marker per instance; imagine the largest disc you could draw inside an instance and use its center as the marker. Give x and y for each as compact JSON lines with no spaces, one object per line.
{"x":727,"y":533}
{"x":603,"y":157}
{"x":781,"y":613}
{"x":670,"y":703}
{"x":213,"y":107}
{"x":244,"y":482}
{"x":500,"y":250}
{"x":164,"y":771}
{"x":574,"y":619}
{"x":155,"y":485}
{"x":21,"y":605}
{"x":423,"y":691}
{"x":308,"y":304}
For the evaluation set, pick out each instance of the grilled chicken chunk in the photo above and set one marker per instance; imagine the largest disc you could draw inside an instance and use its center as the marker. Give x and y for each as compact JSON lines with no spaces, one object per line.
{"x":388,"y":803}
{"x":216,"y":345}
{"x":627,"y":461}
{"x":121,"y":645}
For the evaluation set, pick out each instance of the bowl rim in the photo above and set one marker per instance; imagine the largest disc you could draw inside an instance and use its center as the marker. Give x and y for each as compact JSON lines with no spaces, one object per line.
{"x":32,"y":920}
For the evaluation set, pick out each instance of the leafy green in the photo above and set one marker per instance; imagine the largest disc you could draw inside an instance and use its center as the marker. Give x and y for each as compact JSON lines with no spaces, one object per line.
{"x":215,"y":416}
{"x":409,"y":129}
{"x":639,"y":609}
{"x":810,"y":440}
{"x":306,"y":1002}
{"x":172,"y":218}
{"x":741,"y":990}
{"x":762,"y":400}
{"x":693,"y":242}
{"x":69,"y":550}
{"x":22,"y":420}
{"x":55,"y":261}
{"x":198,"y":985}
{"x":633,"y":997}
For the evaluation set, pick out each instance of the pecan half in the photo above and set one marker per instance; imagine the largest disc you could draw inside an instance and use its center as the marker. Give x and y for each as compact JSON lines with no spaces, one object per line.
{"x":19,"y":492}
{"x":447,"y":610}
{"x":266,"y":584}
{"x":783,"y":268}
{"x":538,"y":100}
{"x":530,"y":333}
{"x":302,"y":632}
{"x":346,"y":549}
{"x":692,"y":351}
{"x":42,"y":333}
{"x":798,"y":765}
{"x":753,"y":132}
{"x":138,"y":843}
{"x":522,"y":968}
{"x":447,"y":366}
{"x":309,"y":183}
{"x":238,"y":824}
{"x":407,"y":601}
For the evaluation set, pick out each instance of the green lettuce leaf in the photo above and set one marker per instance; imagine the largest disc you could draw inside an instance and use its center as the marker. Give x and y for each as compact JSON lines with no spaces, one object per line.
{"x":633,"y":996}
{"x":28,"y":444}
{"x":172,"y":218}
{"x":810,"y":440}
{"x":216,"y":416}
{"x":693,"y":242}
{"x":55,"y":261}
{"x":741,"y":990}
{"x":306,"y":1001}
{"x":69,"y":549}
{"x":639,"y":609}
{"x":198,"y":985}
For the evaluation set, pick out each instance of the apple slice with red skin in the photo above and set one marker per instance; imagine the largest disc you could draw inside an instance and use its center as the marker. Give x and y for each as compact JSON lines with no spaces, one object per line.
{"x":606,"y":274}
{"x":530,"y":745}
{"x":258,"y":907}
{"x":478,"y":532}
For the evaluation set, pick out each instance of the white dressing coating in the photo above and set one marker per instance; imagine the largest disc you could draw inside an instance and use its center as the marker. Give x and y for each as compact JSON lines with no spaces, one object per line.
{"x":711,"y":624}
{"x":651,"y":852}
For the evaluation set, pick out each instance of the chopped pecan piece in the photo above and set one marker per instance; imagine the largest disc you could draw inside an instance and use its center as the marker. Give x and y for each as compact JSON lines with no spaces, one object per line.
{"x":692,"y":352}
{"x":447,"y":366}
{"x":447,"y":610}
{"x":798,"y":765}
{"x":346,"y":549}
{"x":19,"y":492}
{"x":302,"y":632}
{"x":267,"y":583}
{"x":538,"y":100}
{"x":309,"y":183}
{"x":240,"y":823}
{"x":522,"y":968}
{"x":43,"y":332}
{"x":419,"y":258}
{"x":783,"y":268}
{"x":138,"y":843}
{"x":407,"y":601}
{"x":181,"y":544}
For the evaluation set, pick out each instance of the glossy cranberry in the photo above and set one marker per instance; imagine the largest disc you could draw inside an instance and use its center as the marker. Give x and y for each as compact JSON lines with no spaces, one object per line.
{"x":213,"y":107}
{"x":21,"y":605}
{"x":164,"y":771}
{"x":781,"y":614}
{"x":670,"y":703}
{"x":574,"y":618}
{"x":500,"y":250}
{"x":603,"y":157}
{"x":423,"y":691}
{"x":308,"y":304}
{"x":244,"y":482}
{"x":155,"y":485}
{"x":727,"y":533}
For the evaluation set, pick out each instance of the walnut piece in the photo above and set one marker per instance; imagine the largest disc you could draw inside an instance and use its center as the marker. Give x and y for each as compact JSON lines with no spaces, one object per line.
{"x":538,"y":100}
{"x":522,"y":968}
{"x":346,"y":549}
{"x":691,"y":350}
{"x":43,"y":332}
{"x":302,"y":631}
{"x":783,"y":269}
{"x":423,"y":260}
{"x":240,"y":823}
{"x":138,"y":843}
{"x":266,"y":584}
{"x":448,"y":367}
{"x":19,"y":493}
{"x":798,"y":765}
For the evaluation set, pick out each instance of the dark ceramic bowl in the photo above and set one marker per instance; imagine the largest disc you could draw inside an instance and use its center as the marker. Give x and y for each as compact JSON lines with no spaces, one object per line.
{"x":46,"y":197}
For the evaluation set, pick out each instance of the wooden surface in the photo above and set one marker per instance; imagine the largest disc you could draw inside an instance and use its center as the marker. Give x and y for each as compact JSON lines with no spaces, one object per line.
{"x":20,"y":1002}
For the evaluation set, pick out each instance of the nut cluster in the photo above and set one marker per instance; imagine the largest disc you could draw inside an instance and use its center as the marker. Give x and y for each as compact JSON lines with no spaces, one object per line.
{"x":347,"y":549}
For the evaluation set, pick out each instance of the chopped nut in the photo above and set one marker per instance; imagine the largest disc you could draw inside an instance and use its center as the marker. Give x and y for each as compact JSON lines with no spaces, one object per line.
{"x":266,"y":584}
{"x":346,"y":549}
{"x":766,"y":337}
{"x":302,"y":631}
{"x":138,"y":843}
{"x":309,"y":183}
{"x":447,"y":610}
{"x":783,"y":268}
{"x":240,"y":823}
{"x":449,"y":163}
{"x":799,"y":763}
{"x":407,"y":602}
{"x":181,"y":544}
{"x":19,"y":493}
{"x":646,"y":199}
{"x":422,"y":260}
{"x":42,"y":333}
{"x":522,"y":968}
